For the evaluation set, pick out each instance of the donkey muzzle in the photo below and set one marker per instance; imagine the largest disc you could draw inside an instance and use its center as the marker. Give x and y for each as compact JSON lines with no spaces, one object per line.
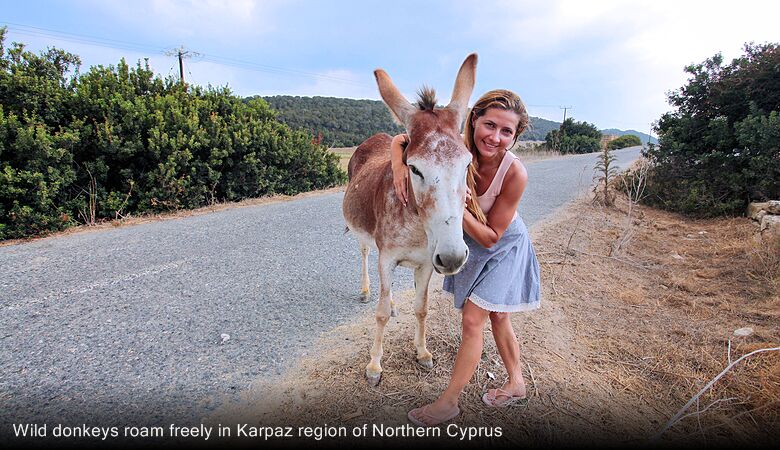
{"x":450,"y":262}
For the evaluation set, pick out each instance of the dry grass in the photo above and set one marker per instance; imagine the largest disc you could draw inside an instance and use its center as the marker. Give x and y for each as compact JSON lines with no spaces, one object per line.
{"x":531,"y":151}
{"x":619,"y":346}
{"x":344,"y":154}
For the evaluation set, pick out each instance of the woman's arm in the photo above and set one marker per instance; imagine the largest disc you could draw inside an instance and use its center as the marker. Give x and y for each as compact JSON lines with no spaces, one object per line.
{"x":503,"y":210}
{"x":400,"y":170}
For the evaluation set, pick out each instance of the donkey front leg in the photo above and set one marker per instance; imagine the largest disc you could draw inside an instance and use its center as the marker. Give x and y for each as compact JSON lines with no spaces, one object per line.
{"x":422,"y":276}
{"x":374,"y":368}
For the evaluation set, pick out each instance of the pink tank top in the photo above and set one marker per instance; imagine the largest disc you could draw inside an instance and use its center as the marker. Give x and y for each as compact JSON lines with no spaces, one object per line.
{"x":487,"y":199}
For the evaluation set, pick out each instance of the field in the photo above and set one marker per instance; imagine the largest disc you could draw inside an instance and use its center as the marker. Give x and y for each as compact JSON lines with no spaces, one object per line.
{"x":639,"y":314}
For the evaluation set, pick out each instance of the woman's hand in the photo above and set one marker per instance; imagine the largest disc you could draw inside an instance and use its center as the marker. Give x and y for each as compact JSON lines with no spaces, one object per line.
{"x":468,"y":196}
{"x":400,"y":170}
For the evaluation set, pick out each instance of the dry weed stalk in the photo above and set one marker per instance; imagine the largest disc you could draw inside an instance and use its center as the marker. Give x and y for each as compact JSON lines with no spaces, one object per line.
{"x":695,"y":398}
{"x":765,"y":263}
{"x":88,"y":214}
{"x":634,"y":183}
{"x":118,"y":213}
{"x":605,"y":166}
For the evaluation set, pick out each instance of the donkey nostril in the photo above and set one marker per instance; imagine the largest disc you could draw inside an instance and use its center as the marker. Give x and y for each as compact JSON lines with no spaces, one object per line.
{"x":438,"y":261}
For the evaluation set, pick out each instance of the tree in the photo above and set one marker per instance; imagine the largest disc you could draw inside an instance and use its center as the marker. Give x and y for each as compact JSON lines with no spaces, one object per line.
{"x":574,"y":137}
{"x":719,"y":149}
{"x":628,"y":140}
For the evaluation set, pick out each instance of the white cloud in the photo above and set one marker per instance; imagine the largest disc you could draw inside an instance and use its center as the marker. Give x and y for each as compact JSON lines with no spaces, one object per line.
{"x":218,"y":20}
{"x":339,"y":83}
{"x":631,"y":51}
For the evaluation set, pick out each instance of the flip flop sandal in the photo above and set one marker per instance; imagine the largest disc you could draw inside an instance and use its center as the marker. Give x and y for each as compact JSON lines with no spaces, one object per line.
{"x":494,"y":402}
{"x":425,"y":419}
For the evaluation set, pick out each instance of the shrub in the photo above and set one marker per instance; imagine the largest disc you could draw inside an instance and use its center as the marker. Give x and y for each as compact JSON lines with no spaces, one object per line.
{"x":118,"y":140}
{"x":720,"y":149}
{"x":574,"y":137}
{"x":628,"y":140}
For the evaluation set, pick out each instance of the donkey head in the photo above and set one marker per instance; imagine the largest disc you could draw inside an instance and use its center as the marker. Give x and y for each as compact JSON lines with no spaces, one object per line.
{"x":438,"y":160}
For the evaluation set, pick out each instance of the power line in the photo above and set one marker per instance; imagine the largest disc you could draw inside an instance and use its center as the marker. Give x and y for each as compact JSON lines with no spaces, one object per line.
{"x":79,"y":38}
{"x":125,"y":45}
{"x":181,"y":53}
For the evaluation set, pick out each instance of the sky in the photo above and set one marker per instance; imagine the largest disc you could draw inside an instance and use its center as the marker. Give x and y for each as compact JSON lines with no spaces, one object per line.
{"x":610,"y":62}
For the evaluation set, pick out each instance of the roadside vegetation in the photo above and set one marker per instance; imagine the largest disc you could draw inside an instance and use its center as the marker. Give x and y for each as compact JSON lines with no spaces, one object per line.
{"x":720,"y":148}
{"x":574,"y":137}
{"x":628,"y":140}
{"x":79,"y":148}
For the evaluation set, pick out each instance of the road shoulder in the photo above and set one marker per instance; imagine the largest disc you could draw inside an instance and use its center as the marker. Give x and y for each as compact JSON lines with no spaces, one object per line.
{"x":622,"y":341}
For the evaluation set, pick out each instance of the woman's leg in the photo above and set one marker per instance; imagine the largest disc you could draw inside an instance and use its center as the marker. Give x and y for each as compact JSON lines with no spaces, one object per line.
{"x":466,"y":362}
{"x":509,"y":349}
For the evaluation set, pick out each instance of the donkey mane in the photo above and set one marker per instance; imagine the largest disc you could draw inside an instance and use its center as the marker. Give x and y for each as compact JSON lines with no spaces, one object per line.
{"x":427,"y":98}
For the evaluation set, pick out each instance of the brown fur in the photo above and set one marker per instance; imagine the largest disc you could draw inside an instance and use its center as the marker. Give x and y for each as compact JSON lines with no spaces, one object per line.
{"x":373,"y":211}
{"x":370,"y":180}
{"x":440,"y":121}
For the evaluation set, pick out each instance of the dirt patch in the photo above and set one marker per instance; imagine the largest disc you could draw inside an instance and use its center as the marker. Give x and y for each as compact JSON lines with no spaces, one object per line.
{"x":623,"y":340}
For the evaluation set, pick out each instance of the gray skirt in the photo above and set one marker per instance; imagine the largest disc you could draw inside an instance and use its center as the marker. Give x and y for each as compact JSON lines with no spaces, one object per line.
{"x":503,"y":278}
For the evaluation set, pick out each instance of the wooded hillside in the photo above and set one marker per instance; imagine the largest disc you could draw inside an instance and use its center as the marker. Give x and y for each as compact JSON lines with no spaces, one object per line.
{"x":343,"y":122}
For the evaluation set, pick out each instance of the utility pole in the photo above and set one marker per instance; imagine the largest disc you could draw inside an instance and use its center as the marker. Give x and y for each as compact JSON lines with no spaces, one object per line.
{"x":649,"y":135}
{"x":563,"y":130}
{"x":564,"y":108}
{"x":181,"y":53}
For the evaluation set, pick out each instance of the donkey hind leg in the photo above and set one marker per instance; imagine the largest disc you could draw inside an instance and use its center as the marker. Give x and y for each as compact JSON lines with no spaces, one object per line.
{"x":374,"y":368}
{"x":365,"y":292}
{"x":422,"y":276}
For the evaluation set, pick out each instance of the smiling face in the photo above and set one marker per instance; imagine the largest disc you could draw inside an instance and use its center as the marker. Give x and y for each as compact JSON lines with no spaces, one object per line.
{"x":494,"y":131}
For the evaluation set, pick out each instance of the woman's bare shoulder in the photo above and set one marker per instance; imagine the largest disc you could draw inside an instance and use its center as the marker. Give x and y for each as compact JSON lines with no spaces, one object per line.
{"x":517,"y":173}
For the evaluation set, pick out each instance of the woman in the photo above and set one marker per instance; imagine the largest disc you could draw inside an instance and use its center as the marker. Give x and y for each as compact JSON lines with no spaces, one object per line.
{"x":502,"y":274}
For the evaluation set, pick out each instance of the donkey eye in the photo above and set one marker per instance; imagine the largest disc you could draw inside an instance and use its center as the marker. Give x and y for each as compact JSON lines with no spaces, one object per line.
{"x":416,"y":172}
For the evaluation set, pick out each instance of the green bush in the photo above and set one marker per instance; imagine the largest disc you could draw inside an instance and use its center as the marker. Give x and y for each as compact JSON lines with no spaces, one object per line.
{"x":720,"y":149}
{"x":628,"y":140}
{"x":118,"y":140}
{"x":574,"y":137}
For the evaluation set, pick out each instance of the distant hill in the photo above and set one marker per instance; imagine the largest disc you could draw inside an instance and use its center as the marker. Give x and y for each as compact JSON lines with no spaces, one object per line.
{"x":538,"y":129}
{"x":642,"y":136}
{"x":343,"y":122}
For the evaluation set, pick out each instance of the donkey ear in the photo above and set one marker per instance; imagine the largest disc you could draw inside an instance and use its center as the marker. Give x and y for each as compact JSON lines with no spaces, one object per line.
{"x":399,"y":107}
{"x":464,"y":85}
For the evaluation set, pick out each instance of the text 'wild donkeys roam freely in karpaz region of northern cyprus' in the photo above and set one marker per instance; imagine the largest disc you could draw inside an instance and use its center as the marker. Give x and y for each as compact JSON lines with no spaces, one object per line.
{"x":427,"y":234}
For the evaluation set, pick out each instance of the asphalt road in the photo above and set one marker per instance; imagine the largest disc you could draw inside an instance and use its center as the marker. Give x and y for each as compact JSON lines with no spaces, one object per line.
{"x":161,"y":322}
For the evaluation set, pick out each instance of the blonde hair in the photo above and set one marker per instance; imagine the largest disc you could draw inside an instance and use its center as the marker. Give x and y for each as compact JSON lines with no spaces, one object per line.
{"x":498,"y":98}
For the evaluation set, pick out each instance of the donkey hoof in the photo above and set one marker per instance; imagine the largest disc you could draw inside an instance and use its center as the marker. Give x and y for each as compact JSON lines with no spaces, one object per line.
{"x":394,"y":312}
{"x":365,"y":297}
{"x":426,"y":363}
{"x":373,"y":380}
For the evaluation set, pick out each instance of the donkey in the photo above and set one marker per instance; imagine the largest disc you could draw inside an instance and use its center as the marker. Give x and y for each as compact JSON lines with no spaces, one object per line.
{"x":427,"y":234}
